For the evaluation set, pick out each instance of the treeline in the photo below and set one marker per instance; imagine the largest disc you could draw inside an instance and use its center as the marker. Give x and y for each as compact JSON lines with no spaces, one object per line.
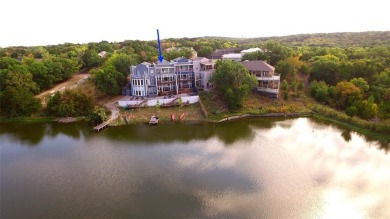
{"x":343,"y":39}
{"x":299,"y":59}
{"x":352,"y":79}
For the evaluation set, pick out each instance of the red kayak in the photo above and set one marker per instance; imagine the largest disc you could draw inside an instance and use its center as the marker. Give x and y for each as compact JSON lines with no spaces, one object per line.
{"x":182,"y":116}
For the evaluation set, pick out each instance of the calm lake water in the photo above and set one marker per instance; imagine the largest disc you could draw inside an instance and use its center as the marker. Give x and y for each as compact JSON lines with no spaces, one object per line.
{"x":263,"y":168}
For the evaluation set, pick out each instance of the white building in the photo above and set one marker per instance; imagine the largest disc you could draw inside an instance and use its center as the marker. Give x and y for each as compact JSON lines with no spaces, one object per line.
{"x":243,"y":52}
{"x":232,"y":56}
{"x":203,"y":69}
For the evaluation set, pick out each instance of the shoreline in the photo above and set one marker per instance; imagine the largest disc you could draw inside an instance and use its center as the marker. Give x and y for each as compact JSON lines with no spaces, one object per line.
{"x":332,"y":120}
{"x":278,"y":115}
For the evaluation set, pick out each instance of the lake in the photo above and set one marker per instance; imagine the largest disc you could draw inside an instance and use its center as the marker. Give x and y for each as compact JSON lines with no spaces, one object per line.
{"x":250,"y":168}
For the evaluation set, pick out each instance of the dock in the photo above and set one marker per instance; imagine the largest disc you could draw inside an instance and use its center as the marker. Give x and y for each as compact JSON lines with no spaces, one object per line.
{"x":100,"y":126}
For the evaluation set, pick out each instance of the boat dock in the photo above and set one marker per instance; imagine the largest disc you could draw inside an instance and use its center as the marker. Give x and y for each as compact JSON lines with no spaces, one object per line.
{"x":100,"y":126}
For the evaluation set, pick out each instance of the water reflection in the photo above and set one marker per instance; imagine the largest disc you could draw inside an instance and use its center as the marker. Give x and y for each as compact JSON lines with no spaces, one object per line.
{"x":351,"y":175}
{"x":31,"y":134}
{"x":295,"y":168}
{"x":346,"y":135}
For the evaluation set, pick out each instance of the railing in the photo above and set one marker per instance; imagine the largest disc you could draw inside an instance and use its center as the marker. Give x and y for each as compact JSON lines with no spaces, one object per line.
{"x":268,"y":90}
{"x":166,"y":82}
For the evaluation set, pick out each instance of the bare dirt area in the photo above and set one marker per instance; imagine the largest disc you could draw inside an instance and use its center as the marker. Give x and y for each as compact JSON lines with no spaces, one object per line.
{"x":73,"y":82}
{"x":110,"y":103}
{"x":142,"y":115}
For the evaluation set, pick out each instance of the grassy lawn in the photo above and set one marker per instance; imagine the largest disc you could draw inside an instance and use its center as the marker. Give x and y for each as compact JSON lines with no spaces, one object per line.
{"x":253,"y":104}
{"x":142,"y":115}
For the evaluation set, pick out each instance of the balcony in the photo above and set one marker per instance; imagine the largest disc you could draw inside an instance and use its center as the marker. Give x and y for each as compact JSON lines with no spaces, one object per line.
{"x":269,"y":78}
{"x":166,"y":82}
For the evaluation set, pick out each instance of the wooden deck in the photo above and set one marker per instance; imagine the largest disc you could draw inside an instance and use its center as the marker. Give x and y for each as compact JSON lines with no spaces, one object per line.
{"x":100,"y":126}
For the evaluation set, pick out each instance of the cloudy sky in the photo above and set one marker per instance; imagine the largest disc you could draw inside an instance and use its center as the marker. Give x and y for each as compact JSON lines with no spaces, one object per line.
{"x":44,"y":22}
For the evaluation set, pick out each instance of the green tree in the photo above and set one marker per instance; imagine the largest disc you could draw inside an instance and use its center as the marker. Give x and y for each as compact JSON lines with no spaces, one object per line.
{"x":300,"y":85}
{"x":256,"y":56}
{"x":360,"y":83}
{"x":319,"y":90}
{"x":285,"y":69}
{"x":21,"y":80}
{"x":40,"y":74}
{"x":367,"y":109}
{"x":53,"y":104}
{"x":324,"y":68}
{"x":18,"y":102}
{"x":91,"y":59}
{"x":233,"y":82}
{"x":110,"y":81}
{"x":77,"y":102}
{"x":205,"y":51}
{"x":99,"y":115}
{"x":346,"y":94}
{"x":121,"y":62}
{"x":351,"y":111}
{"x":276,"y":51}
{"x":384,"y":107}
{"x":285,"y":87}
{"x":382,"y":79}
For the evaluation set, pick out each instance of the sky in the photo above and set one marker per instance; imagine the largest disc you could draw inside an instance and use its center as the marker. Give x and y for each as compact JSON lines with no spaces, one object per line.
{"x":48,"y":22}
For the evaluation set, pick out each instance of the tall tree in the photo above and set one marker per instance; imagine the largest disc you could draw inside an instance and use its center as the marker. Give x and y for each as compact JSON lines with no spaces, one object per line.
{"x":346,"y":94}
{"x":325,"y":68}
{"x":110,"y":81}
{"x":205,"y":51}
{"x":233,"y":82}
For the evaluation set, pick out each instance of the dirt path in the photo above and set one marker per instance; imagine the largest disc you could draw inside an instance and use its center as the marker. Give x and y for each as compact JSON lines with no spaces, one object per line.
{"x":71,"y":83}
{"x":112,"y":105}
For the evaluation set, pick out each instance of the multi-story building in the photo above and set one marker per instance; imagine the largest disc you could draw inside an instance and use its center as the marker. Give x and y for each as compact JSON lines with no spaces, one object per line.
{"x":268,"y":81}
{"x":162,"y":78}
{"x":203,"y":69}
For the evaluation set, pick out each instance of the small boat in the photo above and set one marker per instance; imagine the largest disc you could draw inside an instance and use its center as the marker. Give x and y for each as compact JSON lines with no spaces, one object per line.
{"x":173,"y":117}
{"x":153,"y":120}
{"x":182,"y":116}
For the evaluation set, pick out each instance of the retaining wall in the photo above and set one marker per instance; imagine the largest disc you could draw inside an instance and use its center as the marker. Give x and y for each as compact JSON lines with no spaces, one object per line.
{"x":153,"y":102}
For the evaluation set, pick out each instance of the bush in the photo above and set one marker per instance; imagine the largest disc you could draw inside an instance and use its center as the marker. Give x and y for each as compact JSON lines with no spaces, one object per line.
{"x":351,"y":111}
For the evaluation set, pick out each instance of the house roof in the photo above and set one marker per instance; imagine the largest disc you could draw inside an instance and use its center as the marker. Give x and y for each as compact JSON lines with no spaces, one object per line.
{"x":220,"y":52}
{"x":232,"y":56}
{"x":197,"y":58}
{"x":102,"y":54}
{"x":251,"y":50}
{"x":181,"y":59}
{"x":257,"y":65}
{"x":163,"y":63}
{"x":207,"y":62}
{"x":203,"y":60}
{"x":146,"y":63}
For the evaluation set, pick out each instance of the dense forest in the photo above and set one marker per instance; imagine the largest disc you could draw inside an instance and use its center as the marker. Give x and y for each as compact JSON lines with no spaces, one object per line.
{"x":349,"y":72}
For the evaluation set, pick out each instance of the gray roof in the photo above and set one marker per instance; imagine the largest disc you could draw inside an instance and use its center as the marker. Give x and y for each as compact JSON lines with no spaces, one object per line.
{"x":146,"y":63}
{"x":180,"y":59}
{"x":257,"y":65}
{"x":163,"y":63}
{"x":197,"y":58}
{"x":220,"y":52}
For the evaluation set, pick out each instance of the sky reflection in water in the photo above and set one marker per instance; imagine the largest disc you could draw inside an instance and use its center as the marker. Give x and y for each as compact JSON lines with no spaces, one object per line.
{"x":288,"y":169}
